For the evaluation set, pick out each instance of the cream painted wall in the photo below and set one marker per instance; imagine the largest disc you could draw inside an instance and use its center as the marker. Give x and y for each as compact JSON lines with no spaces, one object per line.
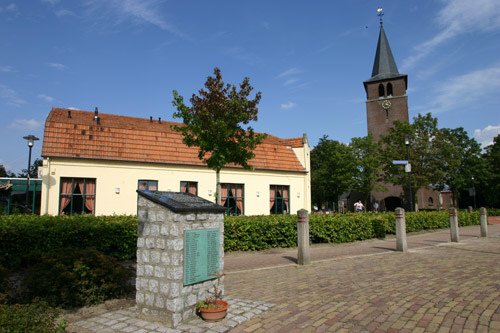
{"x":111,"y":175}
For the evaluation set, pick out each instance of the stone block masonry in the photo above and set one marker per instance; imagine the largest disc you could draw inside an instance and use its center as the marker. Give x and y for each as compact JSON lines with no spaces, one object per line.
{"x":161,"y":294}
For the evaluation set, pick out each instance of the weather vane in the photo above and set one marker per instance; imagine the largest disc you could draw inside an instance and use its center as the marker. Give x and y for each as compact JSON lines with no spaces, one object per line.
{"x":379,"y":10}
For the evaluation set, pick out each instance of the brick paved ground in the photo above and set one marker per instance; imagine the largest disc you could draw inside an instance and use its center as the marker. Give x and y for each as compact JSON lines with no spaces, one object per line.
{"x":445,"y":288}
{"x":437,"y":286}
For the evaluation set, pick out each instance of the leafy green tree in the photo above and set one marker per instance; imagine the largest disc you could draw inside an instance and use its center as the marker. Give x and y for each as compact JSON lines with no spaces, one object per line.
{"x":423,"y":153}
{"x":214,"y":122}
{"x":333,"y":168}
{"x":488,"y":179}
{"x":459,"y":160}
{"x":33,"y":169}
{"x":5,"y":173}
{"x":368,"y":165}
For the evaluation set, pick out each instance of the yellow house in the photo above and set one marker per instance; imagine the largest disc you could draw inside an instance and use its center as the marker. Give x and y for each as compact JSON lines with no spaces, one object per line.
{"x":95,"y":162}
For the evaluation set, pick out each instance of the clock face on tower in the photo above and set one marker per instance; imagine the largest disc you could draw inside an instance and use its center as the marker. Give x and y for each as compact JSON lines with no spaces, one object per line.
{"x":386,"y":104}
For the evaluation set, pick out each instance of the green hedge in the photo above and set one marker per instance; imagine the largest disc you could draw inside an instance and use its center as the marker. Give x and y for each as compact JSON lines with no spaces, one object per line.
{"x":245,"y":233}
{"x":25,"y":236}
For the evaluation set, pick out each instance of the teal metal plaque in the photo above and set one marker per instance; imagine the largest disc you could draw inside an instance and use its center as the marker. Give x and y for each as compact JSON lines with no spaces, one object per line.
{"x":201,"y":255}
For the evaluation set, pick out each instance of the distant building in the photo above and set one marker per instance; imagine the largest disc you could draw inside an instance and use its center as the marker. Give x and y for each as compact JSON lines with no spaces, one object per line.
{"x":95,"y":162}
{"x":13,"y":195}
{"x":386,"y":102}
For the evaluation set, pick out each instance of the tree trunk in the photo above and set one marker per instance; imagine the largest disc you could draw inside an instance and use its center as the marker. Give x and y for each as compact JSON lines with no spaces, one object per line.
{"x":218,"y":187}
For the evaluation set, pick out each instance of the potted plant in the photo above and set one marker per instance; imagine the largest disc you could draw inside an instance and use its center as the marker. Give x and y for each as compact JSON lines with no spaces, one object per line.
{"x":213,"y":309}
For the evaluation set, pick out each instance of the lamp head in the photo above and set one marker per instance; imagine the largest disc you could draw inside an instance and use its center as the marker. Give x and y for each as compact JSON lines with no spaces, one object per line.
{"x":31,"y":140}
{"x":407,"y":139}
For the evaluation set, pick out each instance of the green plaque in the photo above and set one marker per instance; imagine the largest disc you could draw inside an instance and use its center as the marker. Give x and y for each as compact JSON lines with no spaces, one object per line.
{"x":201,"y":255}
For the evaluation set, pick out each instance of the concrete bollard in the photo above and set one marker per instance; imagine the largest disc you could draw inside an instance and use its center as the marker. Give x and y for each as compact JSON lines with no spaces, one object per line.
{"x":401,"y":230}
{"x":303,"y":257}
{"x":454,"y":225}
{"x":484,"y":222}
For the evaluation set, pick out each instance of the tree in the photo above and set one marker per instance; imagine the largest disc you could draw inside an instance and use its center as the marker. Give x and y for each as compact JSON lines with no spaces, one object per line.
{"x":423,"y":151}
{"x":33,"y":169}
{"x":214,"y":124}
{"x":460,"y":158}
{"x":333,"y":168}
{"x":488,"y":179}
{"x":5,"y":173}
{"x":369,"y":166}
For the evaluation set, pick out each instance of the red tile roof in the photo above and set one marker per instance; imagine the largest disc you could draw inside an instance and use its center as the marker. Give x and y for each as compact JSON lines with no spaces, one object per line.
{"x":121,"y":138}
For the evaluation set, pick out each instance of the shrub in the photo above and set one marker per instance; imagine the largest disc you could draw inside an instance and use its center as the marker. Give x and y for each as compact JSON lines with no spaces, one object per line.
{"x":245,"y":233}
{"x":113,"y":235}
{"x":73,"y":277}
{"x":493,"y":212}
{"x":4,"y":285}
{"x":36,"y":317}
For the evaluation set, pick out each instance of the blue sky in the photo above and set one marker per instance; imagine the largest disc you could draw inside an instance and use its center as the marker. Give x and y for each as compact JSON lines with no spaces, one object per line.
{"x":309,"y":60}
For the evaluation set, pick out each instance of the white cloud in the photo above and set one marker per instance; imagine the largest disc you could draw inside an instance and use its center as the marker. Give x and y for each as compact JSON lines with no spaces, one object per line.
{"x":142,"y":11}
{"x":455,"y":18}
{"x":29,"y":124}
{"x":288,"y":105}
{"x":290,"y":81}
{"x":46,"y":98}
{"x":291,"y":71}
{"x":52,"y":2}
{"x":486,"y":135}
{"x":64,"y":12}
{"x":10,"y":96}
{"x":467,"y":90}
{"x":57,"y":66}
{"x":73,"y":108}
{"x":9,"y":8}
{"x":7,"y":69}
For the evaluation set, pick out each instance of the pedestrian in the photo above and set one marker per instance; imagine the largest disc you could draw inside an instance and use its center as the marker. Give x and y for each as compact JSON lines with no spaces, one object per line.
{"x":358,"y":206}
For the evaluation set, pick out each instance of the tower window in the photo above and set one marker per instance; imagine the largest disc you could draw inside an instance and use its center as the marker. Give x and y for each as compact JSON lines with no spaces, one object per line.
{"x":381,"y":91}
{"x":389,"y":89}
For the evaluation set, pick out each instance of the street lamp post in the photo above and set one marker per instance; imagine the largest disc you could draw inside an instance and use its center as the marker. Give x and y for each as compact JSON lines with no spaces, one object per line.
{"x":408,"y":169}
{"x":31,"y":141}
{"x":474,"y":192}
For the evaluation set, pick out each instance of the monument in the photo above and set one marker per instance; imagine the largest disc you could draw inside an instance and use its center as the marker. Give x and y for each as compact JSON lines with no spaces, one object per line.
{"x":180,"y":243}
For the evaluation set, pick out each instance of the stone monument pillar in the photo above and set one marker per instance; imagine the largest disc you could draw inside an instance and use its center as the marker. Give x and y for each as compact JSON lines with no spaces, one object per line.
{"x":180,"y":243}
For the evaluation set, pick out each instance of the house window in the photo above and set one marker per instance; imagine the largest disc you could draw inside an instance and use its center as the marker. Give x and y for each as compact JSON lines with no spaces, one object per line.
{"x":232,"y":199}
{"x":279,"y":199}
{"x":430,"y":201}
{"x":148,"y":185}
{"x":77,"y":196}
{"x":189,"y":187}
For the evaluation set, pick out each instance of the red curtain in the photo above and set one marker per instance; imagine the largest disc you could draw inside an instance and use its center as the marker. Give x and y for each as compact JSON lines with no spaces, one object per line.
{"x":184,"y":187}
{"x":66,"y":192}
{"x":223,"y":194}
{"x":239,"y":198}
{"x":285,"y":198}
{"x":90,"y":194}
{"x":142,"y":186}
{"x":192,"y":189}
{"x":272,"y":196}
{"x":152,"y":186}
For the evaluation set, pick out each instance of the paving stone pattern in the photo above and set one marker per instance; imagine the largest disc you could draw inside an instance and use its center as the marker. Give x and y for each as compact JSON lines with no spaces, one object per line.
{"x":126,"y":320}
{"x":446,"y":288}
{"x":437,"y":286}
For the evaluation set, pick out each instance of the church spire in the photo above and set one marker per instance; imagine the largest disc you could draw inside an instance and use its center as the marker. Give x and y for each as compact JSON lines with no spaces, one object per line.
{"x":384,"y":66}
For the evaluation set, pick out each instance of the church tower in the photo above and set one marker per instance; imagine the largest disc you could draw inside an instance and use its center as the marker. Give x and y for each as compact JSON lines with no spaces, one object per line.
{"x":386,"y":99}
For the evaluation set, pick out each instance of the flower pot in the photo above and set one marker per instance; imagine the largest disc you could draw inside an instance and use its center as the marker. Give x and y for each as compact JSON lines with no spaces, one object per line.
{"x":213,"y":315}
